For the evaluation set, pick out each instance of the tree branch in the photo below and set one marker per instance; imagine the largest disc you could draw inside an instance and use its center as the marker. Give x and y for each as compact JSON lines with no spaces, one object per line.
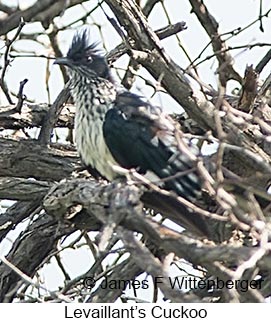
{"x":28,"y":252}
{"x":14,"y":188}
{"x":41,"y":11}
{"x":33,"y":115}
{"x":52,"y":115}
{"x":226,"y":71}
{"x":18,"y":157}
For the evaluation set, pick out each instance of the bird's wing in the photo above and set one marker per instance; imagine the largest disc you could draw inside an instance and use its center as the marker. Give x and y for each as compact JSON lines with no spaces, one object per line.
{"x":140,"y":136}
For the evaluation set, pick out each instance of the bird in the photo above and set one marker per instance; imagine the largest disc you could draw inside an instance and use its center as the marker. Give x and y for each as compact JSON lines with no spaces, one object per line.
{"x":116,"y":127}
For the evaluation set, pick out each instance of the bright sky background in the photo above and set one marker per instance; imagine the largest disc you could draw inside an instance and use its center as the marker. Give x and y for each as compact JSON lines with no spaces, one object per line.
{"x":230,"y":14}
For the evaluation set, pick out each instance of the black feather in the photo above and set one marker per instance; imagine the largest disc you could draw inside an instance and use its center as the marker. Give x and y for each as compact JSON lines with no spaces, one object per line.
{"x":82,"y":48}
{"x":89,"y":54}
{"x":130,"y":136}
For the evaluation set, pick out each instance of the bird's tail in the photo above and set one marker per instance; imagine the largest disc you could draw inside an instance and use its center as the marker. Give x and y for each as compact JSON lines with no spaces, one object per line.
{"x":177,"y":168}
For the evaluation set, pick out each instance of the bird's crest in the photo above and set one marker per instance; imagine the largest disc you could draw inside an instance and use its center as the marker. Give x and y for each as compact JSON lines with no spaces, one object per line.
{"x":82,"y":48}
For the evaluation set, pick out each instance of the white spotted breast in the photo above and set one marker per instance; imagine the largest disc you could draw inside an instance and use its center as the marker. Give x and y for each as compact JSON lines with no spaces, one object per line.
{"x":89,"y":118}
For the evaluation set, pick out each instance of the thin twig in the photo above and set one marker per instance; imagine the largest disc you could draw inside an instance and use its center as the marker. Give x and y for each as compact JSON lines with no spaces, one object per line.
{"x":21,"y":97}
{"x":31,"y":282}
{"x":9,"y":43}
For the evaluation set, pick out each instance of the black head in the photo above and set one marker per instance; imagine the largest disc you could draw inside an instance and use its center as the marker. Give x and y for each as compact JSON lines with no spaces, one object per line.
{"x":85,"y":56}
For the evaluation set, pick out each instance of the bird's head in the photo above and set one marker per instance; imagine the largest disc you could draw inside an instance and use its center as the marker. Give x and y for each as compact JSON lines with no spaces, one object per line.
{"x":85,"y":57}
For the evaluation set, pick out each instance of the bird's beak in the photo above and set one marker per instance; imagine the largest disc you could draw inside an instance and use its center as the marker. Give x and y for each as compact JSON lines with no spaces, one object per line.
{"x":62,"y":61}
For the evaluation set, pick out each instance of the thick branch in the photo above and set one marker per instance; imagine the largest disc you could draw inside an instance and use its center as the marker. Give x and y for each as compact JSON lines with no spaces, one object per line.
{"x":33,"y":115}
{"x":52,"y":115}
{"x":14,"y":188}
{"x":208,"y":22}
{"x":42,"y":11}
{"x":28,"y":253}
{"x":26,"y":158}
{"x":15,"y":214}
{"x":122,"y":205}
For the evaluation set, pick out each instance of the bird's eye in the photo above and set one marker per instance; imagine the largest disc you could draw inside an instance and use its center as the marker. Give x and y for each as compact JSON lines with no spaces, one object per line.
{"x":89,"y":59}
